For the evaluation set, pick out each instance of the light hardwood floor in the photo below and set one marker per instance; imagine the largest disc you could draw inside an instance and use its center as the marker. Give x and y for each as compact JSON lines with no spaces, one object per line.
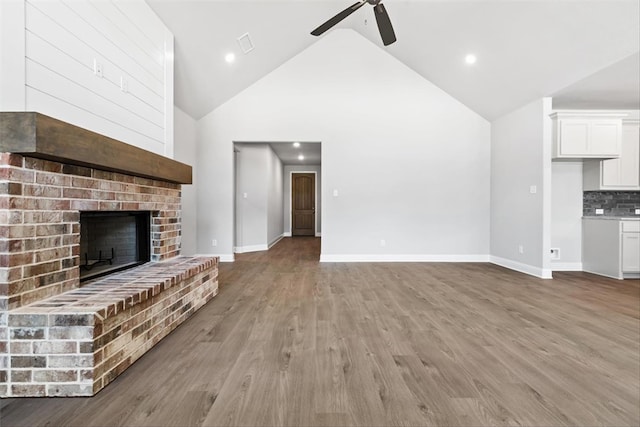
{"x":292,"y":342}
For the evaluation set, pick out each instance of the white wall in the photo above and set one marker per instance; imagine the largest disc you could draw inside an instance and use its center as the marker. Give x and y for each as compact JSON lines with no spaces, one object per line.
{"x":50,"y":51}
{"x":258,"y":197}
{"x":566,"y":215}
{"x":12,"y":71}
{"x":521,"y":158}
{"x":410,"y":163}
{"x":275,"y":195}
{"x":185,"y":152}
{"x":252,"y":197}
{"x":287,"y":195}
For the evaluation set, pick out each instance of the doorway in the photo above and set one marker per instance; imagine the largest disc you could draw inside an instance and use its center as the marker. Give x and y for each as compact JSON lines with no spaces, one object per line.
{"x":303,"y":204}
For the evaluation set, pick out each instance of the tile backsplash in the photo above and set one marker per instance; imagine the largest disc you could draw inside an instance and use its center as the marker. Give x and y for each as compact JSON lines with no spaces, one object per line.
{"x":614,"y":203}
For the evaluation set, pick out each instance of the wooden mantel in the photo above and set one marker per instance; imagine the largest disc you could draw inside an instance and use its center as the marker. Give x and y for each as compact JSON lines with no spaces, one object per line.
{"x":37,"y":135}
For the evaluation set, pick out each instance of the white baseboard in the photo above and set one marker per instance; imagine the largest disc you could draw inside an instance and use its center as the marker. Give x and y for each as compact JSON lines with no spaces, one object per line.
{"x":250,"y":248}
{"x":402,"y":258}
{"x":276,"y":240}
{"x":566,"y":266}
{"x":542,"y":273}
{"x":223,"y":257}
{"x":600,"y":273}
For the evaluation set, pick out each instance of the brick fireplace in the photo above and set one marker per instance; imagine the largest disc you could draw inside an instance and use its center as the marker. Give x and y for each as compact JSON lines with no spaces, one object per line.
{"x":58,"y":336}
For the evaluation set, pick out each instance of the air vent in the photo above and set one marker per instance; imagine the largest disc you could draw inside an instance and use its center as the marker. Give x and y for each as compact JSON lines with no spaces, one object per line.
{"x":245,"y":43}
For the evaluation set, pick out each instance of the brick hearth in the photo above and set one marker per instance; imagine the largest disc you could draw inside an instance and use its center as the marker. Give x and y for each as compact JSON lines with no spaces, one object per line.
{"x":59,"y":337}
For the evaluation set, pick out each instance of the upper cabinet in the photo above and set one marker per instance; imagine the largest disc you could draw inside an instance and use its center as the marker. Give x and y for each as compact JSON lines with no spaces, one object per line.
{"x":622,"y":173}
{"x":583,"y":134}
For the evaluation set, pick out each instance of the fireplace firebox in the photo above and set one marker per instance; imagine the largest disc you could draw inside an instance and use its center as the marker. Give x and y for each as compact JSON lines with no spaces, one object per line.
{"x":113,"y":241}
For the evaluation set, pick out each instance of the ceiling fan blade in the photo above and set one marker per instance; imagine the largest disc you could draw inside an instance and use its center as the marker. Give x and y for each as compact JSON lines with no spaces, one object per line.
{"x":384,"y":24}
{"x":339,"y":17}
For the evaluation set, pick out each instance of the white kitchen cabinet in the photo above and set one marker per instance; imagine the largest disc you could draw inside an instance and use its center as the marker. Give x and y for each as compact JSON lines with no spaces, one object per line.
{"x":630,"y":247}
{"x":611,"y":247}
{"x":580,"y":135}
{"x":622,"y":173}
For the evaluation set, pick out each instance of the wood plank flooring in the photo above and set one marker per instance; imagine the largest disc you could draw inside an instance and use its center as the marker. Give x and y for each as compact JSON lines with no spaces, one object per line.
{"x":292,"y":342}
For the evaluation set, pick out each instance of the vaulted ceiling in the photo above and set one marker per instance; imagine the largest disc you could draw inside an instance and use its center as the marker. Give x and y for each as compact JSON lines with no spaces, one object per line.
{"x":584,"y":51}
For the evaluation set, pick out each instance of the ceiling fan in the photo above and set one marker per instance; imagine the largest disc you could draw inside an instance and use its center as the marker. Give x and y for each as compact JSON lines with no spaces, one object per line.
{"x":382,"y":18}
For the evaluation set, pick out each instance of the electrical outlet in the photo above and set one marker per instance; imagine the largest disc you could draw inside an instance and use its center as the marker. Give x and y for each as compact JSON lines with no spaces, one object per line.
{"x":335,"y":193}
{"x":637,"y":211}
{"x":555,"y":253}
{"x":520,"y":249}
{"x":214,"y":242}
{"x":383,"y":243}
{"x":533,"y":189}
{"x":599,"y":211}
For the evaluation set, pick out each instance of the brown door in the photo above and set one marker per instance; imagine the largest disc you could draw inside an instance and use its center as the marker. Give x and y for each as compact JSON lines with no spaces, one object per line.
{"x":303,"y":190}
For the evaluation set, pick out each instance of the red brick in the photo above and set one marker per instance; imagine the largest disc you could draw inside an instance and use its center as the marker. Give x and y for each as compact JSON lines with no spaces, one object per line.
{"x":16,"y":259}
{"x":28,"y":390}
{"x":84,"y":182}
{"x":42,"y":165}
{"x":43,"y":217}
{"x":38,"y":269}
{"x":11,"y":159}
{"x":53,"y":179}
{"x":55,"y":376}
{"x":51,"y":229}
{"x":39,"y":190}
{"x":84,"y":205}
{"x":76,"y":193}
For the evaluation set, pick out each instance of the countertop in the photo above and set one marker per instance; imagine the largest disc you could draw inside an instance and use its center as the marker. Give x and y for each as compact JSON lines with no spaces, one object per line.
{"x":615,"y":218}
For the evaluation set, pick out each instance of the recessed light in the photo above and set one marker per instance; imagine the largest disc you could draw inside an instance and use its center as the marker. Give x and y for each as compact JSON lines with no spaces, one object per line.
{"x":470,"y":59}
{"x":300,"y":157}
{"x":230,"y":57}
{"x":296,"y":144}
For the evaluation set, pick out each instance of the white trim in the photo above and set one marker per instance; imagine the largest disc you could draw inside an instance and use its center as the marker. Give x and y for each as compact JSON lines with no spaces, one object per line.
{"x":250,"y":248}
{"x":274,"y":241}
{"x":599,"y":273}
{"x":402,"y":258}
{"x":566,"y":266}
{"x":315,"y":202}
{"x":286,"y":234}
{"x":547,"y":149}
{"x":223,"y":257}
{"x":318,"y":234}
{"x":542,"y":273}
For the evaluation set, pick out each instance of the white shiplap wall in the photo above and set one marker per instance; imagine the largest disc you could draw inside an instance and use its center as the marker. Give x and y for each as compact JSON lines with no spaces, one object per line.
{"x":104,"y":65}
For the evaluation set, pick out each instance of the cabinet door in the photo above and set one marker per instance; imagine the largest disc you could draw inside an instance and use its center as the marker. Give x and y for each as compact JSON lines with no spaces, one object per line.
{"x":574,"y":137}
{"x":631,"y":252}
{"x":610,"y":173}
{"x":624,"y":172}
{"x":604,"y":137}
{"x":630,"y":156}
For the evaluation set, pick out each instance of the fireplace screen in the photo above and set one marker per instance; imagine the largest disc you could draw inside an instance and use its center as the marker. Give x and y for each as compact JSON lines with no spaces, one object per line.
{"x":113,"y":241}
